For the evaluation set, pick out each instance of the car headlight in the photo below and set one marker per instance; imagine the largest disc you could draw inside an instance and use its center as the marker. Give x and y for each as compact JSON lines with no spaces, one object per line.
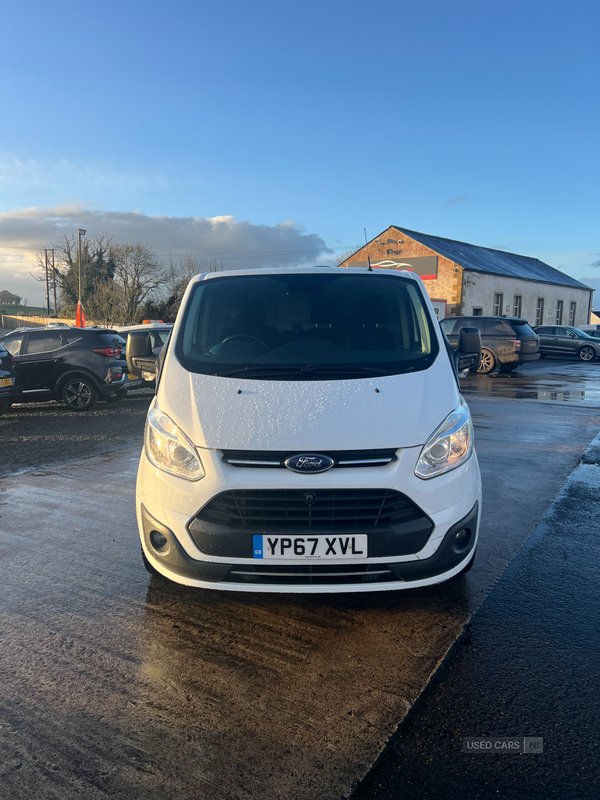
{"x":169,"y":449}
{"x":449,"y":446}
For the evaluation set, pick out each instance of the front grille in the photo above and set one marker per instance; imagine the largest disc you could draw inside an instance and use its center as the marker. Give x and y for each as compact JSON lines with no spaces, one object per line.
{"x":300,"y":509}
{"x":303,"y":575}
{"x":341,"y":458}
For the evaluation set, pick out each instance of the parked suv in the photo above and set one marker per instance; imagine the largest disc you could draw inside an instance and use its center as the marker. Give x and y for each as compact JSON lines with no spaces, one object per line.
{"x":75,"y":365}
{"x":506,"y":342}
{"x":563,"y":340}
{"x":10,"y":383}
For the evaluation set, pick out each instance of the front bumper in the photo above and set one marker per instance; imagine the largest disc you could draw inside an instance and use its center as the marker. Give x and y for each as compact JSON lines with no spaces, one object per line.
{"x":169,"y":506}
{"x":449,"y":558}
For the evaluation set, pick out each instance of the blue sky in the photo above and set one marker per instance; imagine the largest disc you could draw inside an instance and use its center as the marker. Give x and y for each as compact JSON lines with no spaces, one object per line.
{"x":470,"y":120}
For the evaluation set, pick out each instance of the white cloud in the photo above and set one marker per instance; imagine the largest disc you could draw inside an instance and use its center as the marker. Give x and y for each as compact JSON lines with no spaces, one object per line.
{"x":239,"y":243}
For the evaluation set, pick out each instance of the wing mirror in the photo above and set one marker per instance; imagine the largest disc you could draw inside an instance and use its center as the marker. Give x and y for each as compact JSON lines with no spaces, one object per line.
{"x":140,"y":358}
{"x":468,"y":353}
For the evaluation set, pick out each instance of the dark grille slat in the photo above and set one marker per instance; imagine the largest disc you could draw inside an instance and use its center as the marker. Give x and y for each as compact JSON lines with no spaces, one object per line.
{"x":287,"y":509}
{"x":297,"y":517}
{"x":318,"y":574}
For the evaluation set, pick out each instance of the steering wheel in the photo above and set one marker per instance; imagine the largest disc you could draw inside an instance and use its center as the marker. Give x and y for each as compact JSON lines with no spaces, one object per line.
{"x":240,"y":336}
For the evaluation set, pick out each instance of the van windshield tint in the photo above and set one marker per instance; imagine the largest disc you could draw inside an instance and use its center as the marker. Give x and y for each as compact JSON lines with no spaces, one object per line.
{"x":306,"y":327}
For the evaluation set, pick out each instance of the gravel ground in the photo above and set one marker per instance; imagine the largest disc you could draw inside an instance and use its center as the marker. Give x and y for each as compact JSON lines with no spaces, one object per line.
{"x":33,"y":435}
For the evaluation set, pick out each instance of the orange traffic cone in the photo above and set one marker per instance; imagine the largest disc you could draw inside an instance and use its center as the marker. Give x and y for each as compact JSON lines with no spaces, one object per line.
{"x":80,"y":318}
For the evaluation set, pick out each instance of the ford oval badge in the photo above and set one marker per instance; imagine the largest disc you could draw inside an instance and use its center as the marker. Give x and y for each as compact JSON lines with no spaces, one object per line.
{"x":309,"y":463}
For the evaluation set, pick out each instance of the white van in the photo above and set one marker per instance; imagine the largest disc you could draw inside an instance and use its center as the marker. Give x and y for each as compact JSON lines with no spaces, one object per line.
{"x":307,"y":435}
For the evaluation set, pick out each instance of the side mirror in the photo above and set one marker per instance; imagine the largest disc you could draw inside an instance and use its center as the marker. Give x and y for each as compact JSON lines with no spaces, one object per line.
{"x":140,"y":358}
{"x":468,"y":353}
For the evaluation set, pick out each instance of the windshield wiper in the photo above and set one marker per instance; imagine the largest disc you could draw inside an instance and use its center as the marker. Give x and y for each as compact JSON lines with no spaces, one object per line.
{"x":306,"y":369}
{"x":262,"y":370}
{"x":342,"y":369}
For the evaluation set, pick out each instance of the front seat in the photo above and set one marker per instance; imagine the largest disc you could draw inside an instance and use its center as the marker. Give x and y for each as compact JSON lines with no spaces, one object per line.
{"x":251,"y":321}
{"x":369,"y":331}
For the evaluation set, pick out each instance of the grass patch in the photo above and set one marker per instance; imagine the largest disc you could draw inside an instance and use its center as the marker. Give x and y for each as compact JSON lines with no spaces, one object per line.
{"x":19,"y":311}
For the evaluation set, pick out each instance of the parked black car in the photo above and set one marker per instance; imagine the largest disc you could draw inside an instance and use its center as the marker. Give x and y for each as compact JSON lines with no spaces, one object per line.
{"x":75,"y":365}
{"x":506,"y":342}
{"x":10,"y":382}
{"x":564,"y":340}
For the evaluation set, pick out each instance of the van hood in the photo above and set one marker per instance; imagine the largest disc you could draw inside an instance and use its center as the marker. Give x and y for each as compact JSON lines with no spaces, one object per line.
{"x":241,"y":414}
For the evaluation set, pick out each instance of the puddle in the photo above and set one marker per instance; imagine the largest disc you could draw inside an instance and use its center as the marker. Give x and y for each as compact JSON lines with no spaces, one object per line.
{"x":574,"y":390}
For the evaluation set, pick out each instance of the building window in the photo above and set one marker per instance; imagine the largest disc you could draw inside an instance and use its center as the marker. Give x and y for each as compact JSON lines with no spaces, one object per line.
{"x":477,"y":311}
{"x":572,"y":313}
{"x":559,"y":312}
{"x":539,"y":311}
{"x":498,"y":300}
{"x":517,"y":304}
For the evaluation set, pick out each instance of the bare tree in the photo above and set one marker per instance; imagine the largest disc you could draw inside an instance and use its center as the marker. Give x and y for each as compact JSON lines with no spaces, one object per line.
{"x":137,"y":273}
{"x":96,"y":266}
{"x":107,"y":305}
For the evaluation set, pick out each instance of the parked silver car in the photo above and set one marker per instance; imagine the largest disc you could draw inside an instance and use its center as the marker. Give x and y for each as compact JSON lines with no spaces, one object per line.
{"x":563,"y":340}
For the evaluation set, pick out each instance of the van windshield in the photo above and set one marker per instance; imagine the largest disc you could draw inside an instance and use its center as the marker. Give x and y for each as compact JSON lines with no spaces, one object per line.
{"x":306,"y":326}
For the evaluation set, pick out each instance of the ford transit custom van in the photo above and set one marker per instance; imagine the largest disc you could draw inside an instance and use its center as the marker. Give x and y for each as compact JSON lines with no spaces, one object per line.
{"x":307,"y":435}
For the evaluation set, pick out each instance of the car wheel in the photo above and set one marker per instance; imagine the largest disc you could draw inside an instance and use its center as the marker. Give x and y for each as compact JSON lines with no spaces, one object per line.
{"x":508,"y":367}
{"x":115,"y":398}
{"x":586,"y":353}
{"x":5,"y":406}
{"x":79,"y":394}
{"x":487,"y":363}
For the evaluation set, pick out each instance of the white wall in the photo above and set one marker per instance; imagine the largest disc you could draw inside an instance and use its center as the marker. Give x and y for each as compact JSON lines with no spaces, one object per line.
{"x":479,"y":291}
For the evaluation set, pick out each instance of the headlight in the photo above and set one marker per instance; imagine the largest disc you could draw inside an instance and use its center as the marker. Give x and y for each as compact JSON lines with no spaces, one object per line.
{"x":169,"y":449}
{"x":449,"y":446}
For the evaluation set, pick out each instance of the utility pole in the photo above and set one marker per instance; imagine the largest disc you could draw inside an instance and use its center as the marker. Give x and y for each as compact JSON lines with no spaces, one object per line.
{"x":80,"y":233}
{"x":54,"y":283}
{"x":80,"y":320}
{"x":47,"y":284}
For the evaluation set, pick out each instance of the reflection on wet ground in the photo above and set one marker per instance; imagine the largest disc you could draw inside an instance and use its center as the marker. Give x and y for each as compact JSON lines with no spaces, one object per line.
{"x":558,"y":382}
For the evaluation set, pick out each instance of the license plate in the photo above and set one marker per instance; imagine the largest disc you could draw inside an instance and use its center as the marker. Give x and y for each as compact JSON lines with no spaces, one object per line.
{"x":301,"y":547}
{"x":6,"y":381}
{"x":132,"y":377}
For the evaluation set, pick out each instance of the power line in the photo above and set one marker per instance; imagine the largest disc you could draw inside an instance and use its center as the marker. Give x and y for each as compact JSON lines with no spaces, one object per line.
{"x":200,"y":253}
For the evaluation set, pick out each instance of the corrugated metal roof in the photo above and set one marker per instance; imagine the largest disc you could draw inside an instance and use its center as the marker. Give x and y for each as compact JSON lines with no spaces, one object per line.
{"x":496,"y":262}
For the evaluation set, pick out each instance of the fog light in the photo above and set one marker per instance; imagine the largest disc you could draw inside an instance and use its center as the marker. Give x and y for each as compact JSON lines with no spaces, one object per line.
{"x":461,"y":540}
{"x":158,"y":540}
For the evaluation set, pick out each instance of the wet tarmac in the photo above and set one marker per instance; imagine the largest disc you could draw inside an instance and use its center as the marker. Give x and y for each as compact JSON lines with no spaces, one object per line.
{"x":527,"y":666}
{"x":546,"y":380}
{"x":115,"y":684}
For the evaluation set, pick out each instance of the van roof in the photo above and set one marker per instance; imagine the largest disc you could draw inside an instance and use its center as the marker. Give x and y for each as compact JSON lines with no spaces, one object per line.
{"x":299,"y":270}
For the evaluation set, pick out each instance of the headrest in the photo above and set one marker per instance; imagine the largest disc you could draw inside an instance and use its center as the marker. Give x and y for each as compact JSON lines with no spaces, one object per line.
{"x":253,"y":313}
{"x":372,"y":310}
{"x":324,"y":310}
